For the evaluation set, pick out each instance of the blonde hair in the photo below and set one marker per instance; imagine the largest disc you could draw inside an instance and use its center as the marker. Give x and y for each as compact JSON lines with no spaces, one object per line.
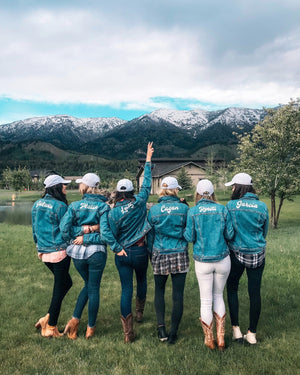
{"x":84,"y":189}
{"x":168,"y":192}
{"x":212,"y":197}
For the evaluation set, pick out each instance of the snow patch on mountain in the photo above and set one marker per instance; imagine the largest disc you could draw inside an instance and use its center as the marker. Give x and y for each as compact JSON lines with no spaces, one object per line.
{"x":84,"y":129}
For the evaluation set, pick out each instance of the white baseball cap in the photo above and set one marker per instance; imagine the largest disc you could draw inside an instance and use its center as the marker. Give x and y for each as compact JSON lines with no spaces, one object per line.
{"x":124,"y":185}
{"x":89,"y":179}
{"x":55,"y":179}
{"x":205,"y":186}
{"x":241,"y":179}
{"x":170,"y":182}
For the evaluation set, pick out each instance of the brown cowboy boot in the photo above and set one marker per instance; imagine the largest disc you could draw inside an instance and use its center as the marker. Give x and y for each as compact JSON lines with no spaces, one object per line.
{"x":72,"y":328}
{"x":51,"y":331}
{"x":41,"y":323}
{"x":139,"y":309}
{"x":127,"y":324}
{"x":90,"y":332}
{"x":220,"y":328}
{"x":208,"y":333}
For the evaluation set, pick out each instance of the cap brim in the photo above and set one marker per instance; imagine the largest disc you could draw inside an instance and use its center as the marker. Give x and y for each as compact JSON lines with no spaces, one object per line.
{"x":78,"y":181}
{"x":229,"y":183}
{"x":179,"y":187}
{"x":67,"y":181}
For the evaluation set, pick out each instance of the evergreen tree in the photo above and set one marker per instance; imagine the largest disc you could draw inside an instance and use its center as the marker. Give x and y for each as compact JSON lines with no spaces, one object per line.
{"x":184,"y":180}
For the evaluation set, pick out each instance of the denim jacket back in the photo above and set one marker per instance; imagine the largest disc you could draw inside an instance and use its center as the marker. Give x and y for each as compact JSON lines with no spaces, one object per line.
{"x":88,"y":211}
{"x":128,"y":219}
{"x":250,"y":220}
{"x":208,"y":227}
{"x":167,"y":220}
{"x":46,"y":215}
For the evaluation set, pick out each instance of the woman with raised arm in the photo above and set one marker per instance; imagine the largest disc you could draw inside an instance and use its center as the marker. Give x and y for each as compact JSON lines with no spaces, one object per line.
{"x":129,"y":225}
{"x":169,"y":254}
{"x":250,"y":220}
{"x":80,"y":228}
{"x":209,"y":227}
{"x":46,"y":216}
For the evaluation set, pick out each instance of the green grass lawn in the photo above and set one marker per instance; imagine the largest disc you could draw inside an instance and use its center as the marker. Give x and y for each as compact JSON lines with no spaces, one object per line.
{"x":25,"y":290}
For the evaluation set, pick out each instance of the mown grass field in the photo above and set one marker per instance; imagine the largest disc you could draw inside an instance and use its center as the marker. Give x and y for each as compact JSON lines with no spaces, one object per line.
{"x":25,"y":290}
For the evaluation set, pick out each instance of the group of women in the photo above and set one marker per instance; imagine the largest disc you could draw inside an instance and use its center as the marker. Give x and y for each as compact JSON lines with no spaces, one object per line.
{"x":226,"y":241}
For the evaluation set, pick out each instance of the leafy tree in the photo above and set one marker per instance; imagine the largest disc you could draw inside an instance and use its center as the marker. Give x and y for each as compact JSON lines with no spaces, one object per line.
{"x":184,"y":180}
{"x":271,"y":155}
{"x":18,"y":179}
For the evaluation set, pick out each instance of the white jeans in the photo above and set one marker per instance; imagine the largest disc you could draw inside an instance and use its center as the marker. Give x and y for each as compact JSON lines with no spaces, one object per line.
{"x":212,"y":277}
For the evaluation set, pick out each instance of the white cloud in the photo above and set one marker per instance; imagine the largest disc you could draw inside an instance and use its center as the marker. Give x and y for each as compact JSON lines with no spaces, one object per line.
{"x":94,"y":55}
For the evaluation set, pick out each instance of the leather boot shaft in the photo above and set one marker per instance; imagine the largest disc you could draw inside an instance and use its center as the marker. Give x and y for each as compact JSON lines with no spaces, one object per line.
{"x":90,"y":332}
{"x":127,"y":324}
{"x":208,"y":333}
{"x":139,"y":309}
{"x":72,"y":328}
{"x":42,"y":323}
{"x":220,"y":328}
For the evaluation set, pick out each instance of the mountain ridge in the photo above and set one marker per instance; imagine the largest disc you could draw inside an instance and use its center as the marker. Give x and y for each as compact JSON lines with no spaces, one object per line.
{"x":175,"y":133}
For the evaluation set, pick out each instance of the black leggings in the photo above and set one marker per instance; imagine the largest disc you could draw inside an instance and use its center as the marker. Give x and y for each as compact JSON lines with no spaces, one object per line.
{"x":178,"y":281}
{"x":62,"y":283}
{"x":254,"y":283}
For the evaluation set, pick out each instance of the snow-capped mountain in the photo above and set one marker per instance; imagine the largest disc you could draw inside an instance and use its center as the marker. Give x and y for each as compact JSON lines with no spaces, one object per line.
{"x":55,"y":127}
{"x":198,"y":120}
{"x":176,"y":132}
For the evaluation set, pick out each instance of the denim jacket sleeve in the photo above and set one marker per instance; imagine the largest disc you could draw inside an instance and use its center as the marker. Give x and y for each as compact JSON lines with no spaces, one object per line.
{"x":91,"y":238}
{"x":189,"y":232}
{"x":66,"y":225}
{"x":266,"y":225}
{"x":107,"y":235}
{"x":77,"y":230}
{"x":229,"y":231}
{"x":33,"y":218}
{"x":150,"y":234}
{"x":146,"y":185}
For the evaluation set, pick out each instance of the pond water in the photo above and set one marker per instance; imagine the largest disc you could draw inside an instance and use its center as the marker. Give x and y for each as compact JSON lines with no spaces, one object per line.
{"x":15,"y":212}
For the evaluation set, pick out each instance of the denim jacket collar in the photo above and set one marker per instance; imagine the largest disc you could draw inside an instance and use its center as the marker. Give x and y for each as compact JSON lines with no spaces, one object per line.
{"x":205,"y":201}
{"x":123,"y":202}
{"x":168,"y":198}
{"x":250,"y":196}
{"x":95,"y":197}
{"x":49,"y":196}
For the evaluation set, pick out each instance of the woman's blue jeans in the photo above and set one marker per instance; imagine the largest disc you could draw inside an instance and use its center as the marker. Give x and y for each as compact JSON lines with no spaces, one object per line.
{"x":136,"y":260}
{"x":91,"y":270}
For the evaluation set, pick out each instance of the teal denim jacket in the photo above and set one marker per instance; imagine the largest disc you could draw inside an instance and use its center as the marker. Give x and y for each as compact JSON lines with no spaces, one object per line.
{"x":46,"y":215}
{"x":209,"y":227}
{"x":167,"y":220}
{"x":128,"y":219}
{"x":250,"y":219}
{"x":90,"y":210}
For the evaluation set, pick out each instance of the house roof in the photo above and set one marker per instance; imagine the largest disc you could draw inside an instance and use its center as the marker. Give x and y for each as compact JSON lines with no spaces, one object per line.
{"x":163,"y":168}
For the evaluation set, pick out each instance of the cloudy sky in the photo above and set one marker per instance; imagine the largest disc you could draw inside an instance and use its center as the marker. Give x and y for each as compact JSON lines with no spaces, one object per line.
{"x":90,"y":58}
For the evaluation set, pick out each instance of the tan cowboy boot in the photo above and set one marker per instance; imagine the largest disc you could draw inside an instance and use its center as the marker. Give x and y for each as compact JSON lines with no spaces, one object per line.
{"x":51,"y":331}
{"x":208,"y":333}
{"x":89,"y":332}
{"x":220,"y":327}
{"x":41,"y":323}
{"x":72,"y":328}
{"x":127,"y":324}
{"x":139,"y":309}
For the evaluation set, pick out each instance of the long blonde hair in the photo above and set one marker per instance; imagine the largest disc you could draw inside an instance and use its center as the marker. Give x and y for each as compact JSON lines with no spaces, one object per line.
{"x":211,"y":197}
{"x":168,"y":192}
{"x":84,"y":189}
